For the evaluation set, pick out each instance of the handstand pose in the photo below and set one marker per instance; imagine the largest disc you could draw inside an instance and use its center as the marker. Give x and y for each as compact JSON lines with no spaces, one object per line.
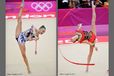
{"x":87,"y":37}
{"x":28,"y":35}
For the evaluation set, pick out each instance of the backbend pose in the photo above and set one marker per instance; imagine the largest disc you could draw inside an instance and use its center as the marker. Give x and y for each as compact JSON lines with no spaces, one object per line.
{"x":87,"y":37}
{"x":28,"y":35}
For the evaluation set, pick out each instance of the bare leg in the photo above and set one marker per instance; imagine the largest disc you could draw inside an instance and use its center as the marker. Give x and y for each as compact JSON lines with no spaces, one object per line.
{"x":93,"y":26}
{"x":89,"y":57}
{"x":19,"y":21}
{"x":23,"y":52}
{"x":93,"y":29}
{"x":18,"y":31}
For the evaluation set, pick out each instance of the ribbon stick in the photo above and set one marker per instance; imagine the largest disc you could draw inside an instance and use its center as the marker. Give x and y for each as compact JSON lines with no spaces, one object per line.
{"x":74,"y":62}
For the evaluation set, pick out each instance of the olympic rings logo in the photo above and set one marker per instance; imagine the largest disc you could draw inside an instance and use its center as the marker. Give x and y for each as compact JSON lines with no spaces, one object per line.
{"x":41,"y":6}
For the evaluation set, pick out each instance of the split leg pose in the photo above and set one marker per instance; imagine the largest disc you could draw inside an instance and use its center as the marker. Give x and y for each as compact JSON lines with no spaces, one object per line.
{"x":87,"y":37}
{"x":18,"y":31}
{"x":93,"y":29}
{"x":28,"y":35}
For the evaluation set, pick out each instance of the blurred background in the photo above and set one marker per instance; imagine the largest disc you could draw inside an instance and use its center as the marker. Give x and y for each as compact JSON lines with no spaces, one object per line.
{"x":80,"y":3}
{"x":36,"y":8}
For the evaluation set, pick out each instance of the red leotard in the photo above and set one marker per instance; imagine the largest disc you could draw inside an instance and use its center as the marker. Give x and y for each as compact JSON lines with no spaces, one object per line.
{"x":93,"y":37}
{"x":83,"y":36}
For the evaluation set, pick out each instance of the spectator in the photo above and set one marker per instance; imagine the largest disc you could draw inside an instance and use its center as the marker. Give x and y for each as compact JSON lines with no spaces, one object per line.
{"x":72,"y":3}
{"x":77,"y":3}
{"x":84,"y":3}
{"x":81,"y":3}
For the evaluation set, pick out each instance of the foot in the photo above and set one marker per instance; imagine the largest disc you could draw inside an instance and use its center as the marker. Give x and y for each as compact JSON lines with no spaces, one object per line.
{"x":22,"y":4}
{"x":87,"y":69}
{"x":93,"y":4}
{"x":29,"y":72}
{"x":96,"y":48}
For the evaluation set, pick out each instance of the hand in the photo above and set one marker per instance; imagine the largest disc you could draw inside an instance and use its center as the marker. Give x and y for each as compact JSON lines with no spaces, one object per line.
{"x":96,"y":48}
{"x":73,"y":40}
{"x":92,"y":44}
{"x":36,"y":38}
{"x":35,"y":52}
{"x":80,"y":25}
{"x":29,"y":39}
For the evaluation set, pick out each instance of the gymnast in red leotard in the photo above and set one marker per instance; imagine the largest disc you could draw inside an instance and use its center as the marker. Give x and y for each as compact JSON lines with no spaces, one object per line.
{"x":87,"y":37}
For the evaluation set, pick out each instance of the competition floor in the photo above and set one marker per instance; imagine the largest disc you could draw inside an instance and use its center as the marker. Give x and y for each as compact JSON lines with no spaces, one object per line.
{"x":42,"y":64}
{"x":78,"y":53}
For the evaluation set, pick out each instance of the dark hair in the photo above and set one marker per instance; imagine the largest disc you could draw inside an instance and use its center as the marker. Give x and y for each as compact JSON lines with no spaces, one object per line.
{"x":42,"y":27}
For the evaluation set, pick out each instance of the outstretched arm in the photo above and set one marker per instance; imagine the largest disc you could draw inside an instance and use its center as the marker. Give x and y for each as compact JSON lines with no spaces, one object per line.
{"x":36,"y":47}
{"x":36,"y":37}
{"x":78,"y":35}
{"x":92,"y":44}
{"x":35,"y":44}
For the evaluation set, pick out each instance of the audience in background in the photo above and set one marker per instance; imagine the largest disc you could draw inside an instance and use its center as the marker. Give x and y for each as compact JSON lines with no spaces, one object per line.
{"x":81,"y":3}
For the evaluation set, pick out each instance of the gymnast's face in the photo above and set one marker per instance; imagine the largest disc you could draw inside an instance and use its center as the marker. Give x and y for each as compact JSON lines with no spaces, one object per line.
{"x":42,"y":31}
{"x":74,"y":38}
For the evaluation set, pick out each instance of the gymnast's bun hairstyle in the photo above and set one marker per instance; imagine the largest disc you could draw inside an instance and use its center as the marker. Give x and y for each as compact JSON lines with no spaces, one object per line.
{"x":42,"y":27}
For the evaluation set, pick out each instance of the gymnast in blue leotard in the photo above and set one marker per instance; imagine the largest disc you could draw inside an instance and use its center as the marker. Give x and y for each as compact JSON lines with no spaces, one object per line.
{"x":32,"y":34}
{"x":29,"y":35}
